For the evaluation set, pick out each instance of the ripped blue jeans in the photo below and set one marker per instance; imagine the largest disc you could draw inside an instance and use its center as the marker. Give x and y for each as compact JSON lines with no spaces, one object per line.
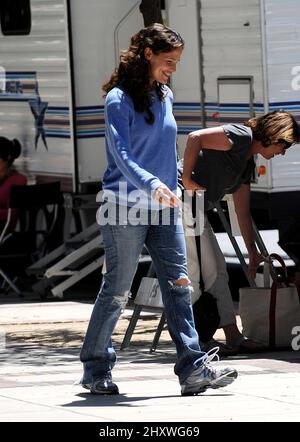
{"x":123,"y":243}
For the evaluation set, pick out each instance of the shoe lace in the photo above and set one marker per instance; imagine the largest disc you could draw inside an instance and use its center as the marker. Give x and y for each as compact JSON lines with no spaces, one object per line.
{"x":208,"y":358}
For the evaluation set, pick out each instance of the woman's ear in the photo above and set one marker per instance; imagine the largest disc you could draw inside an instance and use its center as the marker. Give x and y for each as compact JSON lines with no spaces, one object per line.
{"x":148,"y":54}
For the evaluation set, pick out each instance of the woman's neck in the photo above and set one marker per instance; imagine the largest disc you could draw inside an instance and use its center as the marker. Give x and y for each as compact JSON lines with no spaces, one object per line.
{"x":254,"y":149}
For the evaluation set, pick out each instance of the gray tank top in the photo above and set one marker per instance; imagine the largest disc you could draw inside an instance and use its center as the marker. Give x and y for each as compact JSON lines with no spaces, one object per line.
{"x":223,"y":172}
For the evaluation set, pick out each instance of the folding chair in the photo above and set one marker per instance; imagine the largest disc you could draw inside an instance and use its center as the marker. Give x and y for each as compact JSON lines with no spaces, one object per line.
{"x":148,"y":295}
{"x":36,"y":208}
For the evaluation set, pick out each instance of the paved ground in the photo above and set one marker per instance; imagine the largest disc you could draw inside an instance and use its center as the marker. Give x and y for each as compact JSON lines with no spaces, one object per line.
{"x":40,"y":343}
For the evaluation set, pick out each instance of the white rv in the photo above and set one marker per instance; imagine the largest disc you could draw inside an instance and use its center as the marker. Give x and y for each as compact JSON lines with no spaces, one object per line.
{"x":51,"y":77}
{"x":241,"y":58}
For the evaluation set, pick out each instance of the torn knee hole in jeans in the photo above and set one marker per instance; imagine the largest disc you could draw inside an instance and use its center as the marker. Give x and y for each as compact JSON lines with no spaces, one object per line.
{"x":181,"y":282}
{"x":122,"y":299}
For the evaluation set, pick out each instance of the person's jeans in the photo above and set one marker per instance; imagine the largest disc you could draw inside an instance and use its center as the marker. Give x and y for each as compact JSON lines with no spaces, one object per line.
{"x":123,"y":244}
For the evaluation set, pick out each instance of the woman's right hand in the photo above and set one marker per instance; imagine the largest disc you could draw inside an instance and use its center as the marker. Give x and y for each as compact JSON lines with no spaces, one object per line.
{"x":165,"y":197}
{"x":191,"y":185}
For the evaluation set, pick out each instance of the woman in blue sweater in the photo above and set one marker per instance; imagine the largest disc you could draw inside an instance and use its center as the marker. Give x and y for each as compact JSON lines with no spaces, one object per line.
{"x":140,"y":206}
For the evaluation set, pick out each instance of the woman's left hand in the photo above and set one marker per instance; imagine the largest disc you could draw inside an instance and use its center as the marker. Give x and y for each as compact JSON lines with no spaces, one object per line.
{"x":255,"y":259}
{"x":165,"y":197}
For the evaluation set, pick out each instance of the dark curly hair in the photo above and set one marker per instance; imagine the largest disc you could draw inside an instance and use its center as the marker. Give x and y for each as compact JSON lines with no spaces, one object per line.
{"x":132,"y":74}
{"x":274,"y":126}
{"x":9,"y":150}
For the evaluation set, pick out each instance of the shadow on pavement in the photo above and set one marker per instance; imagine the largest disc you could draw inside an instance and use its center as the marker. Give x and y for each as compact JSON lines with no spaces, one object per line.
{"x":57,"y":344}
{"x":123,"y":400}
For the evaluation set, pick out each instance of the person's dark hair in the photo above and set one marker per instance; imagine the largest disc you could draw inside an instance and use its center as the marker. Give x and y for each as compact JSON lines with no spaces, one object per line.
{"x":274,"y":127}
{"x":9,"y":150}
{"x":132,"y":74}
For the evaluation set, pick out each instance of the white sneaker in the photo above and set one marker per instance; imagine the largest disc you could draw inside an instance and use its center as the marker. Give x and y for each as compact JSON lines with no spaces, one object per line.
{"x":205,"y":376}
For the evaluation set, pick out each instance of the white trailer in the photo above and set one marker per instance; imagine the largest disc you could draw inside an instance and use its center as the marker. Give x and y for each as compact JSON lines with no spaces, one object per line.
{"x":51,"y":97}
{"x":241,"y":58}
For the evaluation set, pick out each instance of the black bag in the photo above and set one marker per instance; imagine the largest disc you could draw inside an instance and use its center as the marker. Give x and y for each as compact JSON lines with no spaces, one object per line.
{"x":206,"y":316}
{"x":205,"y":309}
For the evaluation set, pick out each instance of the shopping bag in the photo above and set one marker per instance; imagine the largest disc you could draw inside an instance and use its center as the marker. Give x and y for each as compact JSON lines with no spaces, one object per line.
{"x":269,"y":314}
{"x":149,"y":293}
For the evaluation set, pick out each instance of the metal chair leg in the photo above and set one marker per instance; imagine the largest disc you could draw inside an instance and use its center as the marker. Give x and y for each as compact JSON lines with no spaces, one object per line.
{"x":158,"y":333}
{"x":130,"y":329}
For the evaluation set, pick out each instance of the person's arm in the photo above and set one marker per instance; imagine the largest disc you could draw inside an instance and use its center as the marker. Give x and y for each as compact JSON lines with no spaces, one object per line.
{"x":241,"y":200}
{"x":213,"y":138}
{"x":118,"y":115}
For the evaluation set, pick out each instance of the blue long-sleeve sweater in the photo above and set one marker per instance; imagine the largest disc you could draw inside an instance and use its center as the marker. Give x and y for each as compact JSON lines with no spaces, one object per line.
{"x":140,"y":156}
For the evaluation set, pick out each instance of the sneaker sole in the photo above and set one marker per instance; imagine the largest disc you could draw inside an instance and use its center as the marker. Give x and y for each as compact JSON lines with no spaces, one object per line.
{"x":105,"y":392}
{"x":190,"y":390}
{"x":101,"y":392}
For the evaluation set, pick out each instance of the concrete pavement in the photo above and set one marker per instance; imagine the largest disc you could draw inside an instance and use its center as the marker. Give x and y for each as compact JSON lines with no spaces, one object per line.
{"x":40,"y":343}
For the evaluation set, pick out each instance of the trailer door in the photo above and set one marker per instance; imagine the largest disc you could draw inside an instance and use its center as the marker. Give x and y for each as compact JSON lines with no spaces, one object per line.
{"x":99,"y":31}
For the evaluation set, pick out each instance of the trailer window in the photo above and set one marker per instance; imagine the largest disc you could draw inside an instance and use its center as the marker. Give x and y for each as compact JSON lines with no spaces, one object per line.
{"x":15,"y":17}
